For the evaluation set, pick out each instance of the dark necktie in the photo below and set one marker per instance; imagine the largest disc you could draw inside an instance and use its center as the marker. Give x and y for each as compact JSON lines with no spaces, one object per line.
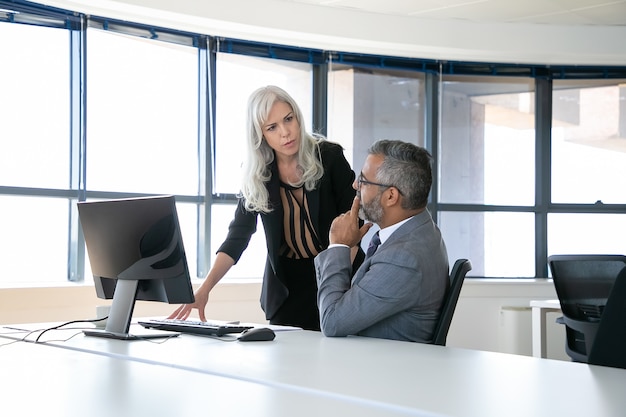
{"x":374,"y":243}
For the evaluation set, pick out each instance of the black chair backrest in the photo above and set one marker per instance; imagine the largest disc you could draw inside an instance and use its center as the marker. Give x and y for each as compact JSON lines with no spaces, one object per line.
{"x":609,"y":345}
{"x":457,"y":276}
{"x":583,"y":282}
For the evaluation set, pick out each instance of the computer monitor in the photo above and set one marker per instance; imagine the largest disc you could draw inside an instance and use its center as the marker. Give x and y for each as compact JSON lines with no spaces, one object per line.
{"x":136,"y":252}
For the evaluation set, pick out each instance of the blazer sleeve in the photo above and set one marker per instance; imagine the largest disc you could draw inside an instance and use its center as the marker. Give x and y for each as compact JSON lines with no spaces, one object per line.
{"x":240,"y":230}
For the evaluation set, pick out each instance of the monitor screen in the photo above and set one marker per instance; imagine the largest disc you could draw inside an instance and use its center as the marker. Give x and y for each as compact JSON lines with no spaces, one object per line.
{"x":136,"y":252}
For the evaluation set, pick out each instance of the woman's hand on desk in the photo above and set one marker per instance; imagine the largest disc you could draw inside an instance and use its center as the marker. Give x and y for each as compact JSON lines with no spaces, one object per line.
{"x":220,"y":267}
{"x":183,"y":312}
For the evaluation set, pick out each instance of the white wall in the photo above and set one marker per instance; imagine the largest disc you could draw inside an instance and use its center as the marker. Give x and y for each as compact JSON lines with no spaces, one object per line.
{"x":78,"y":302}
{"x":307,"y":25}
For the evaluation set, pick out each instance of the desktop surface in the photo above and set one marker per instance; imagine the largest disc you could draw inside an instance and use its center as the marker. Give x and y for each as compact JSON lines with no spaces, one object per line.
{"x":383,"y":373}
{"x":43,"y":380}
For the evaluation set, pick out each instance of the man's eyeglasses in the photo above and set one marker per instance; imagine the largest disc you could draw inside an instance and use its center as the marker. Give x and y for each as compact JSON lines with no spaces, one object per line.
{"x":360,"y":180}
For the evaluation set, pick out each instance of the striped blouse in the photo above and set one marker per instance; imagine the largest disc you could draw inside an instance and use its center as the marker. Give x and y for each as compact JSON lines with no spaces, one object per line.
{"x":301,"y":241}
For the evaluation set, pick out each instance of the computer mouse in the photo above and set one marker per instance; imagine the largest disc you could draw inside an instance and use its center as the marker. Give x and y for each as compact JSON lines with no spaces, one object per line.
{"x":257,"y":334}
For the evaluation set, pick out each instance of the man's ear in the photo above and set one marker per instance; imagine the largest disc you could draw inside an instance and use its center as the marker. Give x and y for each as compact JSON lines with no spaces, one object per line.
{"x":392,"y":197}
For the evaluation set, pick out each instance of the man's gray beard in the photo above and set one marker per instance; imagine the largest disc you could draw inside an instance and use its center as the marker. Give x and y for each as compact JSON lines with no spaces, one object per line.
{"x":373,"y":213}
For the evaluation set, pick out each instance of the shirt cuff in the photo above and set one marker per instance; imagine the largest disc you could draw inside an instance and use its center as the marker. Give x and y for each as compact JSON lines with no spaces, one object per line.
{"x":338,"y":245}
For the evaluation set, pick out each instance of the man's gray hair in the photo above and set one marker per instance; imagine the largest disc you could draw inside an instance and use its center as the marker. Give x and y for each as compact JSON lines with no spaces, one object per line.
{"x":408,"y":168}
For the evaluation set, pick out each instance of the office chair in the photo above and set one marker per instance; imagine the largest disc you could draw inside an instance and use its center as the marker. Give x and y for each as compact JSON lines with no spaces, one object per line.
{"x":457,"y":276}
{"x":583,"y":284}
{"x":609,"y":345}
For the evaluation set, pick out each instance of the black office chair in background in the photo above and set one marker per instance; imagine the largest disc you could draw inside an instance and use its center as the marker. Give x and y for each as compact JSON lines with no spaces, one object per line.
{"x":609,"y":345}
{"x":457,"y":276}
{"x":583,"y":284}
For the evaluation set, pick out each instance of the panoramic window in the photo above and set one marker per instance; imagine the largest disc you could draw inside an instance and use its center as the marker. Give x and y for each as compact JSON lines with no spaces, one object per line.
{"x":507,"y":193}
{"x":586,"y":233}
{"x":367,"y":105}
{"x":487,"y":141}
{"x":588,"y":165}
{"x":34,"y":152}
{"x":34,"y":106}
{"x":142,"y":108}
{"x":589,"y":142}
{"x":487,"y":157}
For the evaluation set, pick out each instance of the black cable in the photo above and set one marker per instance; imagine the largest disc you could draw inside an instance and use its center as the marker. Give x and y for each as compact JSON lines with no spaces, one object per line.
{"x":138,"y":337}
{"x":63,"y":340}
{"x":65,"y":324}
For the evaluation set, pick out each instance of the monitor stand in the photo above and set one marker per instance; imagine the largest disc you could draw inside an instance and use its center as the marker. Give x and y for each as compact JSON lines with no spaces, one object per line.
{"x":118,"y":323}
{"x":137,"y":335}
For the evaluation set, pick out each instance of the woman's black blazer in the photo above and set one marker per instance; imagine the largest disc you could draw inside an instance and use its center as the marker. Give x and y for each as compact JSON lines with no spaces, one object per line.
{"x":332,"y":196}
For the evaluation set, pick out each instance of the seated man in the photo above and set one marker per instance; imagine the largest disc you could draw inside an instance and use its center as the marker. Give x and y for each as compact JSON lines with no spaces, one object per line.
{"x":398,"y":291}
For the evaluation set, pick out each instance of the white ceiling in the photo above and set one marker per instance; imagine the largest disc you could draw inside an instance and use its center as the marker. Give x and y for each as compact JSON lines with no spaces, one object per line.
{"x":553,"y":12}
{"x":550,"y":32}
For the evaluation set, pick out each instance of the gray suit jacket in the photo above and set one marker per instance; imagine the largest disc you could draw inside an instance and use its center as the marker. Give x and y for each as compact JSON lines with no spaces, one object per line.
{"x":395,"y":294}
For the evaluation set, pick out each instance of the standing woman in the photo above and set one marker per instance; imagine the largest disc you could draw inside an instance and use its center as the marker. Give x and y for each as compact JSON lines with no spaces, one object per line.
{"x":298,"y":183}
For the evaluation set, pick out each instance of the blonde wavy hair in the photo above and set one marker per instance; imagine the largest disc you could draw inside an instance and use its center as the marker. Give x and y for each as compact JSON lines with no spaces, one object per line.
{"x":256,"y":168}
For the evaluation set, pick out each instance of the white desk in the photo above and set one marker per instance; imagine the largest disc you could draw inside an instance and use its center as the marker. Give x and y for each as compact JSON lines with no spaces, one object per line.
{"x":400,"y":377}
{"x":540,"y":308}
{"x":43,"y":380}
